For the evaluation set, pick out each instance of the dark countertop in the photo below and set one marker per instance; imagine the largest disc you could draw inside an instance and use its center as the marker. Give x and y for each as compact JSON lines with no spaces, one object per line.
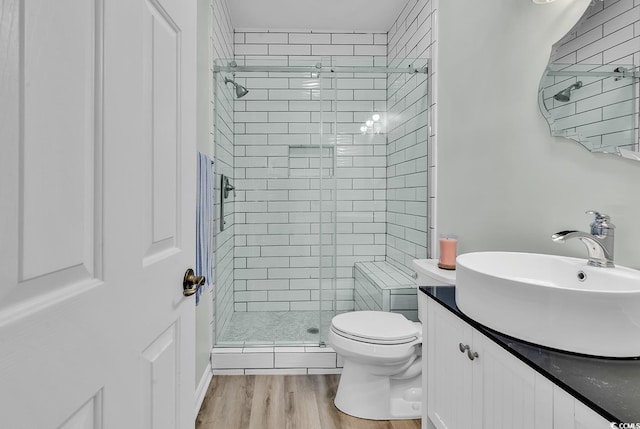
{"x":611,"y":387}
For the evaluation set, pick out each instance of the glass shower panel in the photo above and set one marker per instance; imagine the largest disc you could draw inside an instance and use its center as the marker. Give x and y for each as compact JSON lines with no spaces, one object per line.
{"x":282,"y":219}
{"x":407,"y":163}
{"x":361,"y":175}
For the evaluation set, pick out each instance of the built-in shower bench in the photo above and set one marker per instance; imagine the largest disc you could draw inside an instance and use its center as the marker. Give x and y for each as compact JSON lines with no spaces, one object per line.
{"x":383,"y":287}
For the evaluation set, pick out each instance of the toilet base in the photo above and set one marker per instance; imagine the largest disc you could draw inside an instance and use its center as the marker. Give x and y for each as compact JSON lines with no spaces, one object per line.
{"x":368,"y":396}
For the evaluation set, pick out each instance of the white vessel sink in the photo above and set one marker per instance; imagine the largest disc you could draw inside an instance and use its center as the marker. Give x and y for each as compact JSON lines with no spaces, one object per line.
{"x":553,"y":301}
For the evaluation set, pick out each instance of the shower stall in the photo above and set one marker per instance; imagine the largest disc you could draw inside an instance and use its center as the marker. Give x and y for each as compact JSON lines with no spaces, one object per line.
{"x":319,"y":165}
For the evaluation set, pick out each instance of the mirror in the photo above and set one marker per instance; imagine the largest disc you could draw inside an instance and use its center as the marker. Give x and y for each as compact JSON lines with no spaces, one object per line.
{"x":589,"y":91}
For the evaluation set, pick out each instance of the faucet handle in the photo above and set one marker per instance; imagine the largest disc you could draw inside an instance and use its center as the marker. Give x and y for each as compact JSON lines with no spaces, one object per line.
{"x":599,"y":216}
{"x":601,"y":224}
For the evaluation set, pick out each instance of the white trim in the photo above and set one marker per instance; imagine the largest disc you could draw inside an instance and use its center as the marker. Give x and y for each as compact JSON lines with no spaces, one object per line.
{"x":274,"y":360}
{"x":201,"y":390}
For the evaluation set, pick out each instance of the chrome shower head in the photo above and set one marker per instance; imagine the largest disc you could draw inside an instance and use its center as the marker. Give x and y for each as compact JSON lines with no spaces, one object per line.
{"x":565,"y":94}
{"x":241,"y":91}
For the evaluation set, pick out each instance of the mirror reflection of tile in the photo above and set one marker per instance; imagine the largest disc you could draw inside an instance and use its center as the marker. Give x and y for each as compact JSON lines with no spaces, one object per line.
{"x":589,"y":92}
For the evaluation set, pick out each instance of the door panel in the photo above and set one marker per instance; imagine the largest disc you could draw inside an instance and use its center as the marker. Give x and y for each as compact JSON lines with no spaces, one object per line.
{"x":88,"y":416}
{"x":97,"y":198}
{"x":162,"y":92}
{"x":50,"y":224}
{"x":59,"y":58}
{"x":160,"y":381}
{"x":50,"y":161}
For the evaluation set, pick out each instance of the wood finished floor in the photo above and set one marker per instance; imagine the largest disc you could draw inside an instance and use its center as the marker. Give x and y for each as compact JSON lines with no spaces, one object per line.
{"x":280,"y":402}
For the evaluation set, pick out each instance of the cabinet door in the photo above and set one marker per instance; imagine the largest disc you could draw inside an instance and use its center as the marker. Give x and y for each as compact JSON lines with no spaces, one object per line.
{"x":586,"y":418}
{"x":507,"y":393}
{"x":563,"y":409}
{"x":569,"y":413}
{"x":449,"y":378}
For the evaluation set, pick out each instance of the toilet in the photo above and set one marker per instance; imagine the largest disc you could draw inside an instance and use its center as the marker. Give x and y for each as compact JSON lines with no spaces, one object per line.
{"x":382,"y":351}
{"x":381,"y":377}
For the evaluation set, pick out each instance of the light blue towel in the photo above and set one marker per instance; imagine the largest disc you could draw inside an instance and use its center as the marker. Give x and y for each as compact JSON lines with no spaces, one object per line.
{"x":204,"y":222}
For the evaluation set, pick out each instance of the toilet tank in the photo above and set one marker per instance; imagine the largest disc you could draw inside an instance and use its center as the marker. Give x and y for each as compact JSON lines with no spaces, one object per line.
{"x":428,"y":274}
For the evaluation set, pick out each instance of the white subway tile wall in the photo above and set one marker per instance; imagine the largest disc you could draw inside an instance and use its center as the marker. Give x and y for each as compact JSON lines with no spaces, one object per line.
{"x":281,"y":207}
{"x":410,"y":42}
{"x":380,"y":286}
{"x":269,"y":145}
{"x":267,"y":140}
{"x":275,"y":360}
{"x":221,"y":46}
{"x":378,"y":183}
{"x":610,"y":35}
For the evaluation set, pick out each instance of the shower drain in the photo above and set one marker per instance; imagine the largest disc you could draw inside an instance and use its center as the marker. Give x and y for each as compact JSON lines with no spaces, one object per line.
{"x":313,"y":330}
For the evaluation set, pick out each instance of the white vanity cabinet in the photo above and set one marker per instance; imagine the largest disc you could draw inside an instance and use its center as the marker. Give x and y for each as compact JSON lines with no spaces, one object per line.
{"x":472,"y":382}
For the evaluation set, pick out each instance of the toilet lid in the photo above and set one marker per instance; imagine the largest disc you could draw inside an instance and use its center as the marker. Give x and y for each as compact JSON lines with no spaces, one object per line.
{"x":378,"y":327}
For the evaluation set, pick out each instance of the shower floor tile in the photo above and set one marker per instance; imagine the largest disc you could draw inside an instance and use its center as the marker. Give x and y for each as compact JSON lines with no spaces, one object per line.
{"x":259,"y":328}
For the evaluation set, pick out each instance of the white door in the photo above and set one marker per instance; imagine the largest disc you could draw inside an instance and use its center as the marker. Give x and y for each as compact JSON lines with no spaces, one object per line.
{"x":97,"y":199}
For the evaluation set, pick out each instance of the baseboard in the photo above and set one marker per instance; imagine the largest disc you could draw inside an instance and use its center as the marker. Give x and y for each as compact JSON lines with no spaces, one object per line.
{"x":201,"y":390}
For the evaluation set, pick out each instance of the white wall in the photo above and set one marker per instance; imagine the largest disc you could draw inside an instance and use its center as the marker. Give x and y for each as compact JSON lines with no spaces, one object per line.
{"x":503,"y":182}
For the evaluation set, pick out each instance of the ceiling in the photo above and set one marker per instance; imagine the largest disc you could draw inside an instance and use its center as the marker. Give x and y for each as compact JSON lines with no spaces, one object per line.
{"x":316,"y":15}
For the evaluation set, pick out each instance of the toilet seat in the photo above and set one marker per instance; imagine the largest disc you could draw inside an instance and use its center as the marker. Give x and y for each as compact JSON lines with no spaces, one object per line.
{"x":375,"y":327}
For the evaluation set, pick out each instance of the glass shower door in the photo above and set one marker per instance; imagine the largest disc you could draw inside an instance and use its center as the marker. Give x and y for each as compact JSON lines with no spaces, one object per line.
{"x":280,"y":225}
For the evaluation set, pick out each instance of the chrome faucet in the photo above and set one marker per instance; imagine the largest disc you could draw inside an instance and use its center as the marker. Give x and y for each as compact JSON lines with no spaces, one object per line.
{"x":599,"y":242}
